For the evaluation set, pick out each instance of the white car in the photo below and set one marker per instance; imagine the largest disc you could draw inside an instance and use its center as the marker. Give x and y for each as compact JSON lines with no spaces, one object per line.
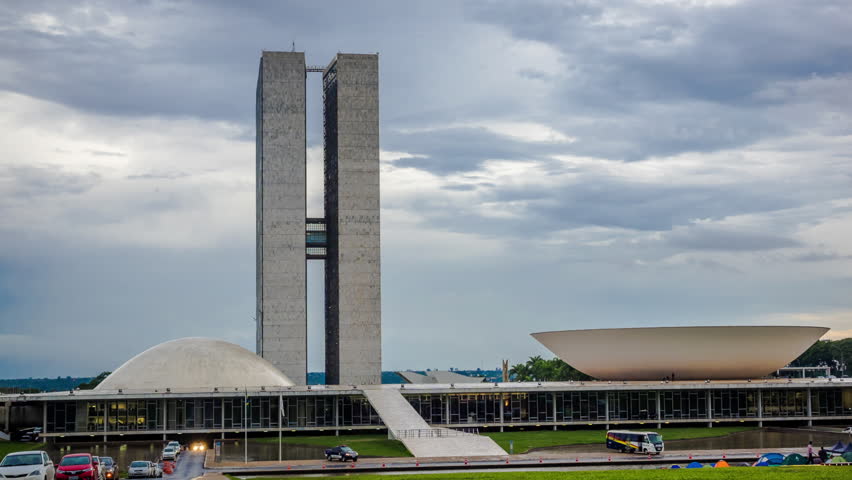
{"x":848,"y":430}
{"x":34,"y":465}
{"x":169,"y":453}
{"x":174,"y":444}
{"x":143,"y":469}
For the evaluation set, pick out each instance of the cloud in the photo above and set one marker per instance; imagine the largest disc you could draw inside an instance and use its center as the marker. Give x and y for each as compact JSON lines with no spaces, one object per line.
{"x":544,"y":165}
{"x":704,"y":238}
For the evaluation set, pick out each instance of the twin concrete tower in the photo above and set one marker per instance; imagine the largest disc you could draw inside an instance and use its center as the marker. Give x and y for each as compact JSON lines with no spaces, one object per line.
{"x":347,"y":238}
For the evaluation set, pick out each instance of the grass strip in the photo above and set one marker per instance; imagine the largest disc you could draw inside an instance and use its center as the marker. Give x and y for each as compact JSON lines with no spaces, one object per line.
{"x":371,"y":445}
{"x":12,"y":447}
{"x":734,"y":473}
{"x":526,"y":440}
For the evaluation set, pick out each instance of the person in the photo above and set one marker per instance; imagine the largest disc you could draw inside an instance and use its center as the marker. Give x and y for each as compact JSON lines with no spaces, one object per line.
{"x":810,"y":453}
{"x":823,"y":454}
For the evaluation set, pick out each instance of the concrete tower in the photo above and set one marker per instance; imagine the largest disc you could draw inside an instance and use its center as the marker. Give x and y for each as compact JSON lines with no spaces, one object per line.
{"x":348,"y":238}
{"x":280,"y":161}
{"x":353,"y":321}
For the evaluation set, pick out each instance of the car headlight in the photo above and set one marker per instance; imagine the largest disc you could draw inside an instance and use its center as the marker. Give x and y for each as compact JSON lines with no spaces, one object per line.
{"x":35,"y":473}
{"x":87,"y":469}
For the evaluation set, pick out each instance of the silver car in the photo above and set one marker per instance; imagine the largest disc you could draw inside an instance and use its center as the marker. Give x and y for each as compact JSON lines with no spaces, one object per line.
{"x":169,"y":453}
{"x":141,"y":469}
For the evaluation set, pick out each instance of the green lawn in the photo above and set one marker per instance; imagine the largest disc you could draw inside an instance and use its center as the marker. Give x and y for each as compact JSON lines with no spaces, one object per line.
{"x":371,"y":445}
{"x":11,"y":447}
{"x":744,"y":473}
{"x":527,"y":439}
{"x":377,"y":445}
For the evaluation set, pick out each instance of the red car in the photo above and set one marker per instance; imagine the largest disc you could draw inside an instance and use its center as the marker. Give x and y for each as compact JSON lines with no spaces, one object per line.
{"x":77,"y":466}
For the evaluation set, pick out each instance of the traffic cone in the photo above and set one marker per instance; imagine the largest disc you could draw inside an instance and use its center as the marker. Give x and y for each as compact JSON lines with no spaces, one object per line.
{"x":507,"y":460}
{"x":417,"y":464}
{"x":690,"y":456}
{"x":465,"y":461}
{"x":576,"y":459}
{"x":539,"y":459}
{"x":724,"y":456}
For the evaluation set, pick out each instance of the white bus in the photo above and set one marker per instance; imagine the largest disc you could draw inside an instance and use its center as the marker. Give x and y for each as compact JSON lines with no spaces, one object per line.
{"x":632,"y":442}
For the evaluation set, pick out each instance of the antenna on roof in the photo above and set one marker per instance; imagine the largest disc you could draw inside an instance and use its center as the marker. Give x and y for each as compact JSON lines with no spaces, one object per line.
{"x":294,"y":47}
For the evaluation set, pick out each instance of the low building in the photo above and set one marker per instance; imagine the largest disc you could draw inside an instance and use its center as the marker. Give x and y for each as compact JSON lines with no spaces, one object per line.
{"x":437,"y":376}
{"x":221,"y":389}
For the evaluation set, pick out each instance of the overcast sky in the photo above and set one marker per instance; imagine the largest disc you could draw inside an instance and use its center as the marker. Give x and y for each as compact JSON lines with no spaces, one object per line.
{"x":545,"y":166}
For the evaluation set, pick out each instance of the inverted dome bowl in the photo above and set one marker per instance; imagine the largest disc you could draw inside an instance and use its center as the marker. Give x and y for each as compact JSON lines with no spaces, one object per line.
{"x":687,"y":353}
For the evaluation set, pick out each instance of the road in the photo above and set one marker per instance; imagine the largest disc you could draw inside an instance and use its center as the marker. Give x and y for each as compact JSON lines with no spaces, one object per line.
{"x":189,"y":465}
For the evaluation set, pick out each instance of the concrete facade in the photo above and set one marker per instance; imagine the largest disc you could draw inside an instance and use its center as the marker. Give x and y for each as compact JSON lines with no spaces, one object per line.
{"x":281,"y":210}
{"x":683,"y":353}
{"x":352,"y":275}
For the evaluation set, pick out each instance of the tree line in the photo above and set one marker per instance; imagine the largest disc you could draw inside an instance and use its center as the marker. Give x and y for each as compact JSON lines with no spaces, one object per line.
{"x":836,"y":354}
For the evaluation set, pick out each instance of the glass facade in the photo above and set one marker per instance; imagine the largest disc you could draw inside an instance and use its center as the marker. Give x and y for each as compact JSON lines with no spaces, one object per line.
{"x":632,"y":405}
{"x":330,"y":411}
{"x":734,"y":404}
{"x":580,"y":406}
{"x":785,"y":403}
{"x":209,"y":413}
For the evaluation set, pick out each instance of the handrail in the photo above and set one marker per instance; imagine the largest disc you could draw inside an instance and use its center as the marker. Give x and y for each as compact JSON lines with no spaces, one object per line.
{"x":434,"y":433}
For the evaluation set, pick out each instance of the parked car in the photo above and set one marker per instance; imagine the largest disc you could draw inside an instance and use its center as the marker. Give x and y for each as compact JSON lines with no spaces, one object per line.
{"x":109,"y":470}
{"x":31,"y":434}
{"x":176,"y":445}
{"x":96,"y":461}
{"x":169,"y":453}
{"x":342,"y":453}
{"x":30,"y":465}
{"x":142,"y":469}
{"x":76,"y":466}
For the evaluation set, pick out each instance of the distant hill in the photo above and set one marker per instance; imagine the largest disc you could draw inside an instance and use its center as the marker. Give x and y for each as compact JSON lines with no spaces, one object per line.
{"x":57,"y":384}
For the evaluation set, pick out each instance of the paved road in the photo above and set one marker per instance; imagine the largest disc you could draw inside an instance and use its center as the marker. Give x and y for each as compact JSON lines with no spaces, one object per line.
{"x":189,"y":465}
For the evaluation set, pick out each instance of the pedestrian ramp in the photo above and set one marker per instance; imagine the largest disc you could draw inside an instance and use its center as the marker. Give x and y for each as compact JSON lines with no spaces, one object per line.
{"x":421,"y":439}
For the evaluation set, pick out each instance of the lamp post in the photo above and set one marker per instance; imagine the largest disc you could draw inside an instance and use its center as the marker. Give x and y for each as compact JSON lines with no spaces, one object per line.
{"x":245,"y":427}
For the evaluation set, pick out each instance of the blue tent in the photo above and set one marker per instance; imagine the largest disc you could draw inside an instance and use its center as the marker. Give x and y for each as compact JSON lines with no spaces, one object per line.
{"x":848,"y":448}
{"x":694,"y":465}
{"x":771,"y":459}
{"x":675,"y":466}
{"x":761,"y":464}
{"x":838,"y":447}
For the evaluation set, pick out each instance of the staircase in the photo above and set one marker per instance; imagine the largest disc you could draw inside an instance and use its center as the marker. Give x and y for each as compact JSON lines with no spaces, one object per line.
{"x":422,"y":440}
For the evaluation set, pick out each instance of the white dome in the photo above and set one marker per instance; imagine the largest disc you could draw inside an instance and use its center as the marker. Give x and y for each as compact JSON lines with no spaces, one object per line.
{"x":197,"y":364}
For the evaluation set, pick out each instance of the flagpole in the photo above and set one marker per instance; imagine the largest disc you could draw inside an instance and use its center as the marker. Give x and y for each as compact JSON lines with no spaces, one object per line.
{"x":245,"y":427}
{"x":280,"y":422}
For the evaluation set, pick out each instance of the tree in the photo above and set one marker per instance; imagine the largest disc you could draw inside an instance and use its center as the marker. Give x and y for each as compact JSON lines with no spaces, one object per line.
{"x":836,"y":354}
{"x":537,"y":369}
{"x":94,"y":382}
